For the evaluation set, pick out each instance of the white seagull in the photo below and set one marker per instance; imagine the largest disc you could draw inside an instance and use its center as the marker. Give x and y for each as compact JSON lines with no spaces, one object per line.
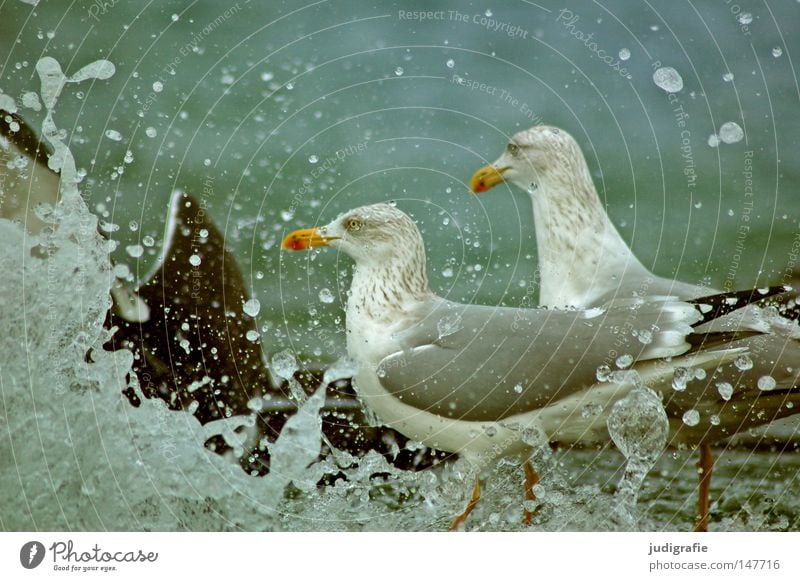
{"x":479,"y":380}
{"x":584,"y":262}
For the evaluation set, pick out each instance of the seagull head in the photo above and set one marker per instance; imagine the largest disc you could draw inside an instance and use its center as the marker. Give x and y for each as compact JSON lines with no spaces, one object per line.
{"x":529,"y":157}
{"x":371,"y":234}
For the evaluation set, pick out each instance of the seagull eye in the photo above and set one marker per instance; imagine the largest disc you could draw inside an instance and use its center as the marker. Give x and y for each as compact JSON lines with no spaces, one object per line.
{"x":513,"y":149}
{"x":353,"y":224}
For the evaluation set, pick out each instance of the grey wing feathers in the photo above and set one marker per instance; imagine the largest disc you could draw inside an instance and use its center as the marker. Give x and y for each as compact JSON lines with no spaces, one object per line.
{"x":486,"y":363}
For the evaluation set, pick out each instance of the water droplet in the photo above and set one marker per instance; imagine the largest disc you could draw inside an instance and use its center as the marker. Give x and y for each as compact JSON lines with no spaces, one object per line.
{"x":680,"y":377}
{"x":668,"y":79}
{"x":645,"y":336}
{"x":518,"y":388}
{"x":447,"y":272}
{"x":326,"y":296}
{"x":766,"y":383}
{"x":151,"y":132}
{"x":121,"y":270}
{"x":745,"y":18}
{"x":256,"y":404}
{"x":284,"y":364}
{"x":491,"y":431}
{"x":252,"y":307}
{"x":158,"y":86}
{"x":267,"y":76}
{"x":743,"y":362}
{"x":195,"y":260}
{"x":488,"y":13}
{"x":691,"y":417}
{"x":175,"y":18}
{"x":725,"y":390}
{"x":591,"y":410}
{"x":730,"y":132}
{"x":399,"y":71}
{"x":113,"y":135}
{"x":135,"y":251}
{"x":777,"y":51}
{"x":713,"y":140}
{"x":624,"y":361}
{"x":149,"y":241}
{"x":727,"y":77}
{"x":603,"y":373}
{"x":313,"y":159}
{"x":31,"y":101}
{"x":252,"y":335}
{"x":714,"y":419}
{"x":624,"y":54}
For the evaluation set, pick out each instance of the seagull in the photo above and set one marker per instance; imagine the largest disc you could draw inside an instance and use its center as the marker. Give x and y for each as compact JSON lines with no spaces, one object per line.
{"x":487,"y":382}
{"x":584,"y":262}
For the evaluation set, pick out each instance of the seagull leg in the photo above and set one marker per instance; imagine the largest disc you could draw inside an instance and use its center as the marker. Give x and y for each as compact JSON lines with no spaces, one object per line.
{"x":705,"y":466}
{"x":531,"y":480}
{"x":476,"y":496}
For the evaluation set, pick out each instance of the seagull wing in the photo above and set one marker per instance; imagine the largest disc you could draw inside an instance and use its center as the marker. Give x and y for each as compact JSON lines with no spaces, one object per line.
{"x":477,"y":363}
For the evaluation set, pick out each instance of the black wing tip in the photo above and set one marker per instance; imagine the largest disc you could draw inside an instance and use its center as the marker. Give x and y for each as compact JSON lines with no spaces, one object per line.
{"x":714,"y":306}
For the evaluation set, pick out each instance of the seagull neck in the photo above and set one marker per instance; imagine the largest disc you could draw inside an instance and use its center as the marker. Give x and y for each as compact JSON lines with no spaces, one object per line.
{"x":580,"y":250}
{"x":380,"y":290}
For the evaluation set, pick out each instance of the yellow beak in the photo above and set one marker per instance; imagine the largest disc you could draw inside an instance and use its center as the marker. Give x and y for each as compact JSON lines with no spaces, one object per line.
{"x":486,"y":178}
{"x":305,"y":239}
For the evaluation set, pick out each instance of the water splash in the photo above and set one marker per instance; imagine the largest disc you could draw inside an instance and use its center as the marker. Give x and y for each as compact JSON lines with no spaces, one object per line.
{"x":639,"y":427}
